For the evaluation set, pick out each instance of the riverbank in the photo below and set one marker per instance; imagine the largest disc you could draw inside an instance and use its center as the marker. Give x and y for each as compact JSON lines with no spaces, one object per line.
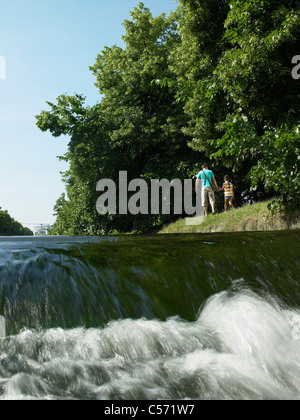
{"x":255,"y":217}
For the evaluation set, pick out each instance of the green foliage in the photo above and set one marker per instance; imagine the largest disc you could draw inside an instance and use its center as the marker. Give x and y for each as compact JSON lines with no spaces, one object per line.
{"x":201,"y":28}
{"x":242,"y":101}
{"x":137,"y":126}
{"x":255,"y":73}
{"x":278,"y":165}
{"x":10,"y":227}
{"x":210,"y":81}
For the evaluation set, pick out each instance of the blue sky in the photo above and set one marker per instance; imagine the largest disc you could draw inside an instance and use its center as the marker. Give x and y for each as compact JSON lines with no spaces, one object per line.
{"x":47,"y":47}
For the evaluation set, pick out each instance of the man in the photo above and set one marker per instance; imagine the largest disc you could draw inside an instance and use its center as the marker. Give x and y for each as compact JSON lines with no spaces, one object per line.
{"x":207,"y":178}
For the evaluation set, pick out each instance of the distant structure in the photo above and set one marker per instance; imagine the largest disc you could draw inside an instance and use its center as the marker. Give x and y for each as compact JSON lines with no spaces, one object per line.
{"x":42,"y":230}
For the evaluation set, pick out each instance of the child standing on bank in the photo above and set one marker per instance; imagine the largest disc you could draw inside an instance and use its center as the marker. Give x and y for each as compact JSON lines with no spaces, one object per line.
{"x":228,"y":193}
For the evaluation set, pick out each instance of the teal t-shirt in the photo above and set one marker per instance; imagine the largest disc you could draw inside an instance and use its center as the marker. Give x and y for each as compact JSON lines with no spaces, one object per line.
{"x":210,"y":175}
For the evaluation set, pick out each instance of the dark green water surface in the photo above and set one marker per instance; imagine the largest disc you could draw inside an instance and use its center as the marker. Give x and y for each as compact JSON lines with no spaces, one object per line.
{"x":71,"y":282}
{"x":179,"y":317}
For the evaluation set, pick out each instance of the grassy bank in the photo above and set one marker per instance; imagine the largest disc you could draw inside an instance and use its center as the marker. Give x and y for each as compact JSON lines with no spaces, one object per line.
{"x":255,"y":217}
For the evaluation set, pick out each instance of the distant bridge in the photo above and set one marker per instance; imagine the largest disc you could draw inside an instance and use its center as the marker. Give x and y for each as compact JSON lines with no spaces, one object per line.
{"x":39,"y":229}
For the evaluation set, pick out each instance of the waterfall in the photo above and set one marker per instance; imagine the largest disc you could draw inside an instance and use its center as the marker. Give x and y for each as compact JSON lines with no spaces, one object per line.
{"x":179,"y":317}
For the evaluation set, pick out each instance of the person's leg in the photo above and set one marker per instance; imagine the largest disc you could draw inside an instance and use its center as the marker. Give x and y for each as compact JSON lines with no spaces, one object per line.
{"x":212,"y":199}
{"x":226,"y":205}
{"x":205,"y":201}
{"x":213,"y":207}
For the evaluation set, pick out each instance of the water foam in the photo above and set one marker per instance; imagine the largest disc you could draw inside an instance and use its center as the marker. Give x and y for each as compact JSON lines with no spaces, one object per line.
{"x":242,"y":346}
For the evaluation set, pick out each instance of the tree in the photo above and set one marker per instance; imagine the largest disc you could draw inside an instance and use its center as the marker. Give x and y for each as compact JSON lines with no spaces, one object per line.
{"x":137,"y":126}
{"x":211,"y":81}
{"x":238,"y":90}
{"x":255,"y":73}
{"x":10,"y":227}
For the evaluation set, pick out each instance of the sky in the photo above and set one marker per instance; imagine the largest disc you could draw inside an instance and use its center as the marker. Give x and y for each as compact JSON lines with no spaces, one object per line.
{"x":46,"y":49}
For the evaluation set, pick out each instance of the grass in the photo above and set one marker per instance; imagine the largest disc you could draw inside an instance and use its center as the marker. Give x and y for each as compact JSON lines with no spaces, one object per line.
{"x":255,"y":217}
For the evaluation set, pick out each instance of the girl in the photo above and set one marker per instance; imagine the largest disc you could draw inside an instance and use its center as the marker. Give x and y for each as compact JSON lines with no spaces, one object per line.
{"x":228,"y":193}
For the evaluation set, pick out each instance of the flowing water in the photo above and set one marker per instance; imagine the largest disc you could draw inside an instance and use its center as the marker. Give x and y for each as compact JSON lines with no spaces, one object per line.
{"x":151,"y":317}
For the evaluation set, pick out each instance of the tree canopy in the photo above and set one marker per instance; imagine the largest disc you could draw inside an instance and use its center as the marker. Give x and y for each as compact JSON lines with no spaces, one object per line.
{"x":211,"y":81}
{"x":10,"y":227}
{"x":238,"y":89}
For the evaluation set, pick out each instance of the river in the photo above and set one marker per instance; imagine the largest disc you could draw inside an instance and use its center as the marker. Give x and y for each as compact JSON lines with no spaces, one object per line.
{"x":159,"y":317}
